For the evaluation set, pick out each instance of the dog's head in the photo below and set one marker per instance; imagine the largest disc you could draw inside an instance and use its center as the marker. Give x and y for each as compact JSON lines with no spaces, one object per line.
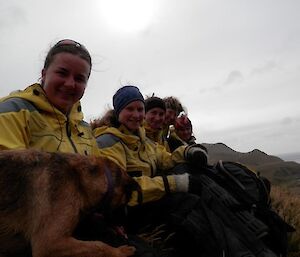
{"x":106,"y":184}
{"x":120,"y":185}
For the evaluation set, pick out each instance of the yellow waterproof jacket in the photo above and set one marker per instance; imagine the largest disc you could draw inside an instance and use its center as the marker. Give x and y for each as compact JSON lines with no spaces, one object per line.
{"x":141,"y":158}
{"x":28,"y":120}
{"x":156,"y":136}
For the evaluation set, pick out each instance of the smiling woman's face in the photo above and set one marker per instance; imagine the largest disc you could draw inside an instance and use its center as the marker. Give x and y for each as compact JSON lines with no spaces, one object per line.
{"x":155,"y":118}
{"x":184,"y":133}
{"x":132,"y":115}
{"x":65,"y":80}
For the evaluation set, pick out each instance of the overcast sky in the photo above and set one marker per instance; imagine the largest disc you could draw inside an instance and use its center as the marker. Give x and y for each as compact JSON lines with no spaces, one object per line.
{"x":234,"y":64}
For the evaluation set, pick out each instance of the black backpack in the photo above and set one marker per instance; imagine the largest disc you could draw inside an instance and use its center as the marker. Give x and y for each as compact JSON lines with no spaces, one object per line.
{"x":253,"y":194}
{"x":234,"y":216}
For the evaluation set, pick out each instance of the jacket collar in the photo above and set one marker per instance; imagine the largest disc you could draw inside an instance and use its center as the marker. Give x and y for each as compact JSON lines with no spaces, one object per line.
{"x":36,"y":95}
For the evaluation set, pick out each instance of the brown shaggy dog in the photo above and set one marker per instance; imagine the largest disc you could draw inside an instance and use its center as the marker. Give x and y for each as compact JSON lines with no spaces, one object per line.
{"x":42,"y":196}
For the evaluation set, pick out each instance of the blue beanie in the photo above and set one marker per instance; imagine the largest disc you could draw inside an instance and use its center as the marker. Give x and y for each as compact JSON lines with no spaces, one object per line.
{"x":124,"y":96}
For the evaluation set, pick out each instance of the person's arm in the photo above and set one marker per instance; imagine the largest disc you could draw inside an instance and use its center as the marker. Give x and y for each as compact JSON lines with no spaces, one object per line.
{"x":167,"y":160}
{"x":152,"y":188}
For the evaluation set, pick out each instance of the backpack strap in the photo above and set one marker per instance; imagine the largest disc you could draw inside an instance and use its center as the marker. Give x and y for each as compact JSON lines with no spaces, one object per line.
{"x":166,"y":183}
{"x":229,"y":175}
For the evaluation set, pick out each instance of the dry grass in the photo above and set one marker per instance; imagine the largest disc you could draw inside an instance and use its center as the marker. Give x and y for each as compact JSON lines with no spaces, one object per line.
{"x":160,"y":238}
{"x":288,"y":206}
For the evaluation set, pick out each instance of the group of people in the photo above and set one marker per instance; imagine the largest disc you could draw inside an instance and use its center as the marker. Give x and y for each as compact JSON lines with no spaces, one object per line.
{"x":167,"y":123}
{"x":151,"y":139}
{"x":135,"y":134}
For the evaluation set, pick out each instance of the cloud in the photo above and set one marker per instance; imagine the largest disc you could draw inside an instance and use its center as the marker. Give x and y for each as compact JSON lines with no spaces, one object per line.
{"x":267,"y":67}
{"x":233,"y":77}
{"x":272,"y":137}
{"x":11,"y":16}
{"x":286,"y":121}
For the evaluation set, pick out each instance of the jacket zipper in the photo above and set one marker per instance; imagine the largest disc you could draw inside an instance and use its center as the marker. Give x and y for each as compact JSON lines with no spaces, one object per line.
{"x":68,"y":129}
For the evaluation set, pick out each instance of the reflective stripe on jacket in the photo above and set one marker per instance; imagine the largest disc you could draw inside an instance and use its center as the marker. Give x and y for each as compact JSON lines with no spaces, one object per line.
{"x":140,"y":157}
{"x":28,"y":120}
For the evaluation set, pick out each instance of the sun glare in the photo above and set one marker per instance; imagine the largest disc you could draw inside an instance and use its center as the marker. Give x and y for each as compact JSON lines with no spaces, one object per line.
{"x":129,"y":15}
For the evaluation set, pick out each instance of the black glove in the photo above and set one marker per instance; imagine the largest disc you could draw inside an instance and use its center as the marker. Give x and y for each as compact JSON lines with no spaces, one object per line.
{"x":196,"y":155}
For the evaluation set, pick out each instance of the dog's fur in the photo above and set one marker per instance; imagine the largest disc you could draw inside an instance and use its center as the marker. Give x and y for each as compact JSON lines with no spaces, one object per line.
{"x":42,"y":197}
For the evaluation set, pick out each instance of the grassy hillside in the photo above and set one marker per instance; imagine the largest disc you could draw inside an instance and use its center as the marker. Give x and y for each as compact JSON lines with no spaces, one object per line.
{"x":288,"y":206}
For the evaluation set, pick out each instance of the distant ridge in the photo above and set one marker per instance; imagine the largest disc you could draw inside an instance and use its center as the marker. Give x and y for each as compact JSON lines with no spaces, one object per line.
{"x":291,"y":157}
{"x":220,"y":151}
{"x":280,"y":172}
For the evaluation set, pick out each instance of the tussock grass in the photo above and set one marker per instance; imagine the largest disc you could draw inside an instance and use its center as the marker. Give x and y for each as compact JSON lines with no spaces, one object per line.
{"x":287,"y":205}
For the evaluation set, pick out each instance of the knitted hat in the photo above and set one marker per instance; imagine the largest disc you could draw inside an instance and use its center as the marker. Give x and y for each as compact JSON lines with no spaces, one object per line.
{"x":183,"y":122}
{"x":124,"y":96}
{"x":154,"y":102}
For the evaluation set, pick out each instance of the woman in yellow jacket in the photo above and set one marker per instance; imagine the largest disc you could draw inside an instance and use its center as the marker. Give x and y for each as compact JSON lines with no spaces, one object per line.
{"x":121,"y":138}
{"x":48,"y":116}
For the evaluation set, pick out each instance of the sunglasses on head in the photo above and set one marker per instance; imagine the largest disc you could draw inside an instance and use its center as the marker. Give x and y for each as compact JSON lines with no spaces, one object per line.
{"x":67,"y":42}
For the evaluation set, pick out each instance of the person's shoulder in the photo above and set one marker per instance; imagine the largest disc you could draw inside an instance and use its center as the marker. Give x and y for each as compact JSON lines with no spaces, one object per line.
{"x":16,"y":104}
{"x":21,"y":99}
{"x":106,"y":140}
